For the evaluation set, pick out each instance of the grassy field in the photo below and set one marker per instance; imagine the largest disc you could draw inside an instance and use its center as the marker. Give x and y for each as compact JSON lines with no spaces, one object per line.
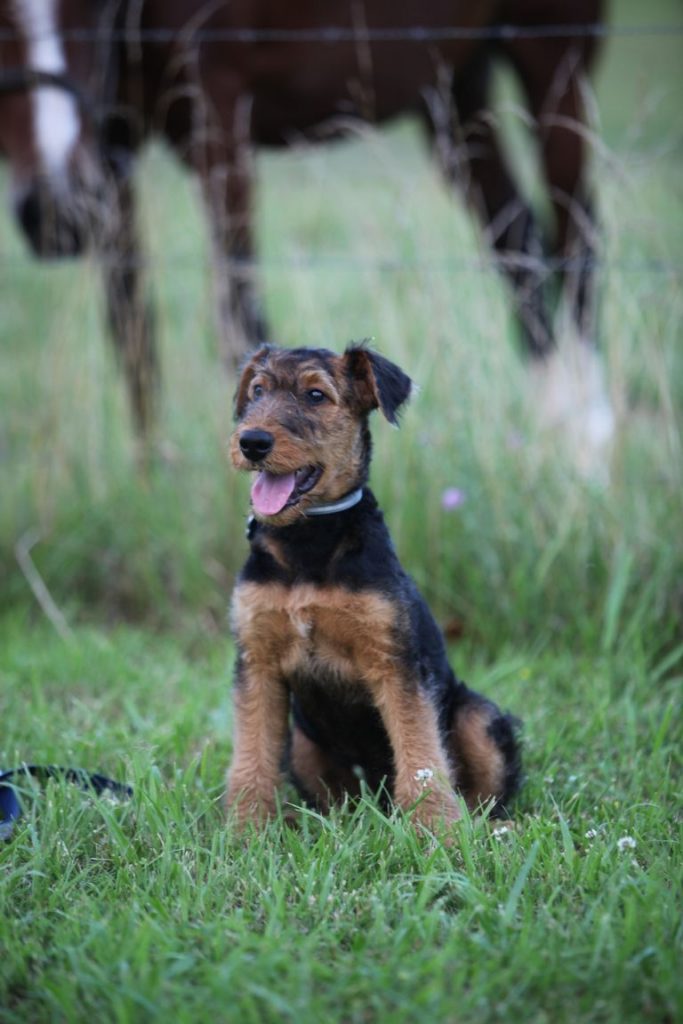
{"x":567,"y":599}
{"x":155,"y":911}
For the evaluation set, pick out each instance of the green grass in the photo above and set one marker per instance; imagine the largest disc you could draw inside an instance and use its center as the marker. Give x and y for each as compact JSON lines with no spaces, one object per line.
{"x":568,"y":597}
{"x":155,"y":910}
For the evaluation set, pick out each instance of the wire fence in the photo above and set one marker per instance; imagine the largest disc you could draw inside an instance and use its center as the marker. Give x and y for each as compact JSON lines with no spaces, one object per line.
{"x":333,"y":34}
{"x":329,"y":262}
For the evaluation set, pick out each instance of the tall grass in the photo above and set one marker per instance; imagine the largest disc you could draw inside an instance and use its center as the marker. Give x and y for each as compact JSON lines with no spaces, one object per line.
{"x":365,"y":240}
{"x":532,"y":549}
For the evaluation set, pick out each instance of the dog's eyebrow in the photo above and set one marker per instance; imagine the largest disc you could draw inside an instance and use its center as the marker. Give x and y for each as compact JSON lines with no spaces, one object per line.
{"x":263,"y":378}
{"x":316,"y":378}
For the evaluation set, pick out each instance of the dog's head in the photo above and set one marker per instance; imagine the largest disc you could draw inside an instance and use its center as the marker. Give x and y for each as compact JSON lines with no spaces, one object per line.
{"x":302,"y":424}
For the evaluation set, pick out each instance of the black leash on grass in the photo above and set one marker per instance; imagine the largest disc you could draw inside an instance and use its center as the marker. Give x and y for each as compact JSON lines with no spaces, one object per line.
{"x":10,"y":808}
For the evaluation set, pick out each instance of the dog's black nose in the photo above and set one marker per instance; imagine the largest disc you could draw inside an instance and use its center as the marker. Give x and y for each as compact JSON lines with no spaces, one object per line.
{"x":256,"y":444}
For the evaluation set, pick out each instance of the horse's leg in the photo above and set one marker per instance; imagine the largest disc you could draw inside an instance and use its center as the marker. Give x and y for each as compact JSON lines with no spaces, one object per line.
{"x":226,"y":172}
{"x":571,"y":389}
{"x":129,"y":315}
{"x":240,"y":321}
{"x":474,"y":160}
{"x":553,"y":76}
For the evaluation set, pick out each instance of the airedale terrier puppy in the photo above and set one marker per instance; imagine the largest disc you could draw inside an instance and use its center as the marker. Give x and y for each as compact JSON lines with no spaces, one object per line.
{"x":342,"y":673}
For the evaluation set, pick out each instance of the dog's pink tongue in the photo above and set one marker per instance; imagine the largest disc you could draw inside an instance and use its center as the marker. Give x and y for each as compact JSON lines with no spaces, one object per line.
{"x":270,"y":493}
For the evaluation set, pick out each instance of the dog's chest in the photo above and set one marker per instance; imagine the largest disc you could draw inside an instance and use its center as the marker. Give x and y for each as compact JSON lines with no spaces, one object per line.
{"x":308,"y":629}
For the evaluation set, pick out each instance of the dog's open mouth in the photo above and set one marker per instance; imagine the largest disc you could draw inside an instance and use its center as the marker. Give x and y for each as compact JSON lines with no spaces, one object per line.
{"x":273,"y":492}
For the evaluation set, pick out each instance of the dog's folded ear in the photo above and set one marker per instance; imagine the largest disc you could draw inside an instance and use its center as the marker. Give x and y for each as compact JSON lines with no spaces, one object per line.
{"x":377,"y":382}
{"x":249,"y":370}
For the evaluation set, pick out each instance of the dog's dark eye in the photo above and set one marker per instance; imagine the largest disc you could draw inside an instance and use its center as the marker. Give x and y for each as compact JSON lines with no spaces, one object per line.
{"x":315,"y":396}
{"x":257,"y":391}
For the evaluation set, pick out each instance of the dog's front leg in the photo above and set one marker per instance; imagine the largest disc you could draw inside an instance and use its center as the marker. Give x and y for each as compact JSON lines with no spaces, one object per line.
{"x":260,"y":734}
{"x":422,"y":774}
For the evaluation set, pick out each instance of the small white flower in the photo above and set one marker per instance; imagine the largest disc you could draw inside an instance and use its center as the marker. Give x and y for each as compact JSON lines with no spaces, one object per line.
{"x":500,"y":831}
{"x":626,"y":843}
{"x":424,"y":775}
{"x":591,"y":833}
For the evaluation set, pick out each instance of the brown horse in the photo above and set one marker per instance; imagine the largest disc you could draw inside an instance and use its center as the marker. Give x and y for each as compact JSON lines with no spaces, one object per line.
{"x":83,"y":84}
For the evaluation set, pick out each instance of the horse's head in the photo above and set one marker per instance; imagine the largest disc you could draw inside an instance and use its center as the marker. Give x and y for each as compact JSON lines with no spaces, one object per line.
{"x":51,"y":75}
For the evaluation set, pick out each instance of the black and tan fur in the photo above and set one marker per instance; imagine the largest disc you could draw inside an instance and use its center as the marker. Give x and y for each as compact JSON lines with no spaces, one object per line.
{"x":342,"y":672}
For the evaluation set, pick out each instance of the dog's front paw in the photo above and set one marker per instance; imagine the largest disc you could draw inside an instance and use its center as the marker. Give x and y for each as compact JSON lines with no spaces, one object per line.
{"x":437,"y":811}
{"x":246,"y":807}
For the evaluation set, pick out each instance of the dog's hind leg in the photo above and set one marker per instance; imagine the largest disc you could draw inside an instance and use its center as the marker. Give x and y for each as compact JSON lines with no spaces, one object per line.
{"x":485,"y":750}
{"x":320,"y":780}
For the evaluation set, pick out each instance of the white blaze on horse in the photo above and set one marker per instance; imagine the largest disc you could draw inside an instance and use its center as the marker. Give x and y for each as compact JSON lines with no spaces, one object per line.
{"x":84,"y":84}
{"x":56,"y":118}
{"x":44,"y":130}
{"x":70,"y":186}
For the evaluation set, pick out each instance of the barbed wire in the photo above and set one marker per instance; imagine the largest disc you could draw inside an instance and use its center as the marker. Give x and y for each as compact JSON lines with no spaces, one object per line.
{"x":361,"y":34}
{"x":380,"y":264}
